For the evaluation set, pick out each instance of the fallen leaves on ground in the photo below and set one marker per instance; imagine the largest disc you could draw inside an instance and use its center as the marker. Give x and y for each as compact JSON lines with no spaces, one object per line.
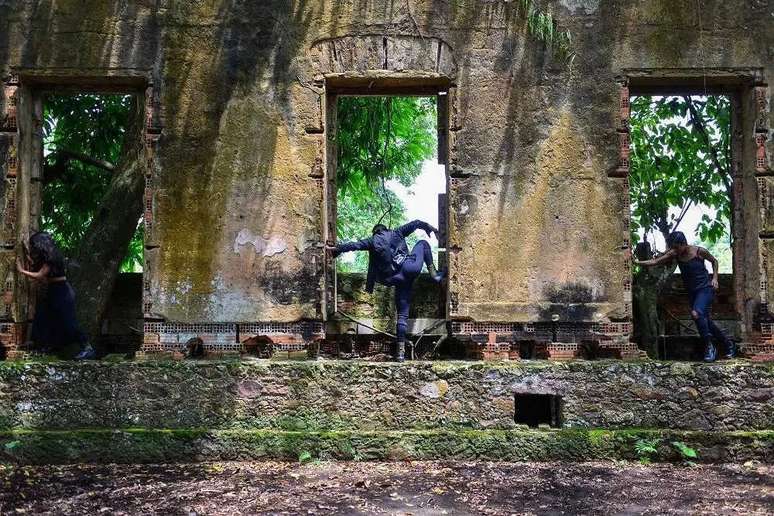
{"x":415,"y":488}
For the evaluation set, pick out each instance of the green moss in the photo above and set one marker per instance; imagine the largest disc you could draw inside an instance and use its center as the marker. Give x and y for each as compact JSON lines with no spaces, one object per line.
{"x":669,"y":35}
{"x":312,"y":421}
{"x":154,"y":445}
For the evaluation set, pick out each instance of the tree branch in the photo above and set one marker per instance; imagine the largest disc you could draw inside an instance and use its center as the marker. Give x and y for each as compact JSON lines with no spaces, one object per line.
{"x":698,"y":123}
{"x":83,"y":158}
{"x":682,"y":214}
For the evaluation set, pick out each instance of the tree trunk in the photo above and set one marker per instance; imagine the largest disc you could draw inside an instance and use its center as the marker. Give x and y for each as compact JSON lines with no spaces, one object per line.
{"x":646,"y":287}
{"x":95,"y":265}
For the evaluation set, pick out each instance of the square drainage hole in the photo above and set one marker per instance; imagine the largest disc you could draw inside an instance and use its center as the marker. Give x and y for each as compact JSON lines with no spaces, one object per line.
{"x":538,"y":409}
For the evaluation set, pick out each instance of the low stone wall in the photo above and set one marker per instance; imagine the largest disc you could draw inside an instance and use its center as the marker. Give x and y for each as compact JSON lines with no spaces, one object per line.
{"x":358,"y":396}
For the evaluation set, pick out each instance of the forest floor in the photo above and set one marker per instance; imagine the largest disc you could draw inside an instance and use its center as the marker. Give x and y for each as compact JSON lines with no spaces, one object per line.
{"x":388,"y":488}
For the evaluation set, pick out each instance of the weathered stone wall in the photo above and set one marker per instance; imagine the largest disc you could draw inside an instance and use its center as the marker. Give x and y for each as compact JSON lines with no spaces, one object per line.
{"x":139,"y":445}
{"x":537,"y":226}
{"x":322,"y":396}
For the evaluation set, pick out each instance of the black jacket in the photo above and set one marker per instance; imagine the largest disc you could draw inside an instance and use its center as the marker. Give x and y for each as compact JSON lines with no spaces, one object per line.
{"x":366,"y":244}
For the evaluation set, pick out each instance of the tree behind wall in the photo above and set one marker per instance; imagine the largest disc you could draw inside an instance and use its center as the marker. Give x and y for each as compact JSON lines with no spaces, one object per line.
{"x":379,"y":139}
{"x":92,"y":195}
{"x":681,"y":158}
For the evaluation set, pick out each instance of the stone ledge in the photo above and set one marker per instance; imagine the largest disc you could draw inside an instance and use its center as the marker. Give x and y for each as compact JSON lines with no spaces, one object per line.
{"x":195,"y":445}
{"x":357,"y":396}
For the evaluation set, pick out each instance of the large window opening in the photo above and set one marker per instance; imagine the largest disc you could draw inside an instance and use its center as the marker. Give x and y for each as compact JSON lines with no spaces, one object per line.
{"x":90,"y":177}
{"x":387,"y":172}
{"x":680,"y":180}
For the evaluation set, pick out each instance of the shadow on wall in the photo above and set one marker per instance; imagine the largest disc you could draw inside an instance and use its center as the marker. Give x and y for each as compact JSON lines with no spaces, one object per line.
{"x":223,"y":107}
{"x":203,"y":56}
{"x":225,"y":92}
{"x":569,"y":302}
{"x":92,"y":35}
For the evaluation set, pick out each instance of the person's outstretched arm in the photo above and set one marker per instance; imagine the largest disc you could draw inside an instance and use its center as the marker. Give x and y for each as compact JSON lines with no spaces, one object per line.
{"x":663,"y":259}
{"x":703,"y":253}
{"x":346,"y":247}
{"x":412,"y":226}
{"x":39,"y":275}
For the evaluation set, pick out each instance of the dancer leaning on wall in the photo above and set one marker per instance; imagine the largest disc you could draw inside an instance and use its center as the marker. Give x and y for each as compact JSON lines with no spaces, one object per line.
{"x":701,"y":290}
{"x":55,"y":324}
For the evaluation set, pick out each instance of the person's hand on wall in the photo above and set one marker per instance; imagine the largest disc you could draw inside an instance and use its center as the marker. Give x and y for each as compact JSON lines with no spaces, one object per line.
{"x":333,"y":250}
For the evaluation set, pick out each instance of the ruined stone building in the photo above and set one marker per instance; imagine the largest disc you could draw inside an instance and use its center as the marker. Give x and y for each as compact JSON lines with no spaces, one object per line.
{"x":240,"y":180}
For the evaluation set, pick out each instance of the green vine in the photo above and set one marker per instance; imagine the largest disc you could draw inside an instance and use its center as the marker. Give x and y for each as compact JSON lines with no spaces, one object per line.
{"x":542,"y":26}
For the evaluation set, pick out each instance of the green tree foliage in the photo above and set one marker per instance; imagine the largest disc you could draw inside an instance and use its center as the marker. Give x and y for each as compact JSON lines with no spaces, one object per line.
{"x":379,"y":139}
{"x":720,"y":250}
{"x":83,"y":140}
{"x":680,"y":158}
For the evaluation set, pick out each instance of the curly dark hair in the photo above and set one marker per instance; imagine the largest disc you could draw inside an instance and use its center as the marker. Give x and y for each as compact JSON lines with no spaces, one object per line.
{"x":43,"y":249}
{"x":676,"y":238}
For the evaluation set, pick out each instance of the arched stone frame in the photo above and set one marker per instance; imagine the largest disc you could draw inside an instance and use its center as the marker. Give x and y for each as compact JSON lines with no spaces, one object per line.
{"x":752,"y":177}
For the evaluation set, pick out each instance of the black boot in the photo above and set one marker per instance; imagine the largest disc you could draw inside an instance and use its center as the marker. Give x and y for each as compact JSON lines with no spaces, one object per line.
{"x":730,"y":349}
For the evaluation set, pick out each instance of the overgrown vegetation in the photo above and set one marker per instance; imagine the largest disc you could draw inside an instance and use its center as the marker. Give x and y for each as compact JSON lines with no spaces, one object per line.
{"x":83,"y":141}
{"x":646,"y":450}
{"x":379,"y":139}
{"x":687,"y":454}
{"x":541,"y":25}
{"x":680,"y":158}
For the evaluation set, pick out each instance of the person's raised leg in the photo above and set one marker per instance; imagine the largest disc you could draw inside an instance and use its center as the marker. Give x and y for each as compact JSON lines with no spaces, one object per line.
{"x":424,"y":254}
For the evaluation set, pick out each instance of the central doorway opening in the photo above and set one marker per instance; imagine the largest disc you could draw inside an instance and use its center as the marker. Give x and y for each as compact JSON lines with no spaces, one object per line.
{"x":681,"y":179}
{"x":389,"y":171}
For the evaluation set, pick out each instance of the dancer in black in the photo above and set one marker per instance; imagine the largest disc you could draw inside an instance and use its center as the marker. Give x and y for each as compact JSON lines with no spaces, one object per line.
{"x":55,"y":324}
{"x":390,"y":263}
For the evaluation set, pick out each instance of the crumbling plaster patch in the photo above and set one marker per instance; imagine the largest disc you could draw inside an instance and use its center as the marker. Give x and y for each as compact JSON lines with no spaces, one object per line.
{"x":553,"y":208}
{"x":265,"y":247}
{"x":586,"y":7}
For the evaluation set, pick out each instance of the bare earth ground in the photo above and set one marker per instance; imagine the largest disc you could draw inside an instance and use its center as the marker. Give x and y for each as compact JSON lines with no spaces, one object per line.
{"x":393,"y":488}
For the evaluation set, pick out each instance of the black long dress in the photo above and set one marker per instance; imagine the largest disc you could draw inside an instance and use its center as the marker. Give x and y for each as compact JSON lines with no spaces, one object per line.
{"x":55,"y":324}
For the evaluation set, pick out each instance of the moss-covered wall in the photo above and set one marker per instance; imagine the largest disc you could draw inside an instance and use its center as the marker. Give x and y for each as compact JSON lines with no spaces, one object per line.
{"x":166,"y":446}
{"x":333,"y":396}
{"x":536,"y":221}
